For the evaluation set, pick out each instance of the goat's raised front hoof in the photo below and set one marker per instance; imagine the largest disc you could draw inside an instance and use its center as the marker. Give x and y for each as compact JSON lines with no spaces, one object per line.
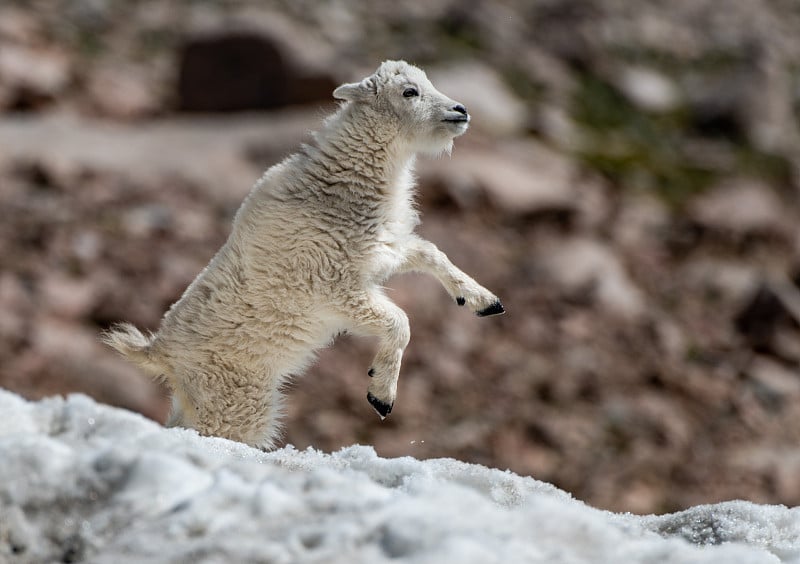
{"x":495,"y":309}
{"x":460,"y":300}
{"x":382,"y":408}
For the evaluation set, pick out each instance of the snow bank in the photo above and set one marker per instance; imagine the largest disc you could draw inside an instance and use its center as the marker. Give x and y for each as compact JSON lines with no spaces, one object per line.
{"x":81,"y":481}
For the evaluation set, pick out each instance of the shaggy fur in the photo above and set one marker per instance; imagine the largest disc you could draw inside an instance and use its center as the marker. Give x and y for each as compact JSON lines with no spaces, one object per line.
{"x":309,"y":249}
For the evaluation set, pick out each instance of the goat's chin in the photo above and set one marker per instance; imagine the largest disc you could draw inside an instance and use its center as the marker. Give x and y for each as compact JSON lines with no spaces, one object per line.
{"x":437,"y":147}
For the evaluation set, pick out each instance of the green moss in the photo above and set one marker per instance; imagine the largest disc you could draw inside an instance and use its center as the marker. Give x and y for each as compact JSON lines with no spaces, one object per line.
{"x":522,"y":85}
{"x":89,"y":43}
{"x":458,"y":34}
{"x":636,"y":149}
{"x":794,"y":71}
{"x":153,"y":43}
{"x":710,"y":61}
{"x":648,"y":151}
{"x":776,"y":169}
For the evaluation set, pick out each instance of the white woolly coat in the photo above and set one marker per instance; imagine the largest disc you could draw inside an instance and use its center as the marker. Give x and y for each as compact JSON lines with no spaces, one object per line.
{"x":309,"y":250}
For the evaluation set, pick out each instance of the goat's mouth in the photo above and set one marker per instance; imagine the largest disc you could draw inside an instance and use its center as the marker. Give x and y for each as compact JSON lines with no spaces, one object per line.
{"x":456,"y":119}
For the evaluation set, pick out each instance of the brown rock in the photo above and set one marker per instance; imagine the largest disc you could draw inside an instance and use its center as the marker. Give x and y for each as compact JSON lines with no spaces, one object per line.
{"x":32,"y":77}
{"x":763,"y":314}
{"x":586,"y":266}
{"x":776,"y":382}
{"x":518,"y":179}
{"x":67,"y":297}
{"x":18,"y":26}
{"x":648,"y":89}
{"x":493,"y":106}
{"x":152,"y":151}
{"x":642,"y":221}
{"x":733,"y":280}
{"x":741,"y":207}
{"x":77,"y":361}
{"x":122,"y":92}
{"x":16,"y":305}
{"x":779,"y":463}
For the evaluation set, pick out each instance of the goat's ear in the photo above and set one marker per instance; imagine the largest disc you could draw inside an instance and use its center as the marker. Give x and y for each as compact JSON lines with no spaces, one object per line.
{"x":356,"y":91}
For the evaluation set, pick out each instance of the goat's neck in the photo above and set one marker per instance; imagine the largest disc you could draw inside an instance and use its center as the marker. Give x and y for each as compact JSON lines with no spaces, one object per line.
{"x":360,"y":145}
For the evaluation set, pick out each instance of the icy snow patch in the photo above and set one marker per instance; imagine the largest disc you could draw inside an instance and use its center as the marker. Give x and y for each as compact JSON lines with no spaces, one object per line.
{"x":83,"y":482}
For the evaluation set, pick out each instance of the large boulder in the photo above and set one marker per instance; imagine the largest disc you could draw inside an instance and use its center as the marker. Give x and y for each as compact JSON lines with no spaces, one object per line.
{"x":238,"y":70}
{"x":518,"y":179}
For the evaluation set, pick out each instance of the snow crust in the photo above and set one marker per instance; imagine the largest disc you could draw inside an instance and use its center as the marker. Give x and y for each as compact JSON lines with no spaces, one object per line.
{"x":84,"y":482}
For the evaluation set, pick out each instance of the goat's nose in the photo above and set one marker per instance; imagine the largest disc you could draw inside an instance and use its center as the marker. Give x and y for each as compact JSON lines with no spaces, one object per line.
{"x":460,"y":109}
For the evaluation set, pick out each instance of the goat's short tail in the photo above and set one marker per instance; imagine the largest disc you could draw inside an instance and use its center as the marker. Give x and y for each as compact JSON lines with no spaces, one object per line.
{"x":136,"y":347}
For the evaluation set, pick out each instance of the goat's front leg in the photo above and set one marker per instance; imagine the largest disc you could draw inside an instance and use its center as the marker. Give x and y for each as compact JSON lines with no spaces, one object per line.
{"x":371,"y":313}
{"x":424,"y":256}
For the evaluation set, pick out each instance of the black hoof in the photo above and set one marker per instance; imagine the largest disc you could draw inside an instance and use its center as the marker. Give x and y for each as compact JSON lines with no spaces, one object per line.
{"x":460,"y":300}
{"x":371,"y":372}
{"x":495,"y":309}
{"x":383,"y":409}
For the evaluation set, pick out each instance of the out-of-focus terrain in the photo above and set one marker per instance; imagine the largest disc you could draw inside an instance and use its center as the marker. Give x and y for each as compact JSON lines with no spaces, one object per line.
{"x":629,"y":187}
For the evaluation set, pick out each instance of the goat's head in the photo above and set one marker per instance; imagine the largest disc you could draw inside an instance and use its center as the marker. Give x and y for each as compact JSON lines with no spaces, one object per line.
{"x":402,"y":94}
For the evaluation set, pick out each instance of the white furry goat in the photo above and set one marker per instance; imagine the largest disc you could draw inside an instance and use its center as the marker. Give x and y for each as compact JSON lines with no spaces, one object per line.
{"x":308,"y":252}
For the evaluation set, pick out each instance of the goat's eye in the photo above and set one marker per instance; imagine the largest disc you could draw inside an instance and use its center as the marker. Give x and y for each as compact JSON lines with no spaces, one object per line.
{"x":410,"y":92}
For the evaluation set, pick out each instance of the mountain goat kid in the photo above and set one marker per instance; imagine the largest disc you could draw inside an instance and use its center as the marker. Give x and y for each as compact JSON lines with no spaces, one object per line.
{"x":309,"y":249}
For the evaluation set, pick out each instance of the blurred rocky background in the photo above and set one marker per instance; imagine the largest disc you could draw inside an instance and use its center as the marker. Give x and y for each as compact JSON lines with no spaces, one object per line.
{"x":629,"y":188}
